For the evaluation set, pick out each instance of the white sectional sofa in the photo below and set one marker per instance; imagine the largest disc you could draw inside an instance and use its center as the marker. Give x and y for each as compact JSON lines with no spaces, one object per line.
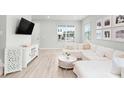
{"x":94,"y":69}
{"x":101,"y":68}
{"x":88,"y":51}
{"x":96,"y":61}
{"x":99,"y":53}
{"x":76,"y":49}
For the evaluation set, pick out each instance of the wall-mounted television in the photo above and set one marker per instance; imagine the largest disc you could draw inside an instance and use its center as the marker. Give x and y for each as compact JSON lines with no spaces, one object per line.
{"x":25,"y":27}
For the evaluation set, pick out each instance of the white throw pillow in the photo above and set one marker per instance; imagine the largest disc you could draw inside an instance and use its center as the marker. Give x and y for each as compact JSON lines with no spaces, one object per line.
{"x":108,"y":52}
{"x":86,"y":46}
{"x":100,"y":51}
{"x":121,"y":60}
{"x":115,"y":67}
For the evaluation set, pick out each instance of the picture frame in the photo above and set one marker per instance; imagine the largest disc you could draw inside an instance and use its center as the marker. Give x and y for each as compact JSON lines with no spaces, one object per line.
{"x":107,"y":22}
{"x":118,"y":34}
{"x":107,"y":34}
{"x":118,"y":20}
{"x":99,"y":24}
{"x":99,"y":34}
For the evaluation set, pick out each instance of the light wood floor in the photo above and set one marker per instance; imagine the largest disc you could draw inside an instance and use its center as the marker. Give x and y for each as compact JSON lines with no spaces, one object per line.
{"x":44,"y":66}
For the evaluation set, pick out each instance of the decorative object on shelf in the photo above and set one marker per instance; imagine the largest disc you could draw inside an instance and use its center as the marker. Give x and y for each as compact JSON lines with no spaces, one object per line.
{"x":67,"y":55}
{"x":118,"y":34}
{"x":118,"y":20}
{"x":13,"y":60}
{"x":107,"y":22}
{"x":99,"y":24}
{"x":99,"y":34}
{"x":107,"y":34}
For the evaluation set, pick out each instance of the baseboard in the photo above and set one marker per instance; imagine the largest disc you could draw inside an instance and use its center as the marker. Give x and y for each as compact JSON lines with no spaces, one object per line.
{"x":50,"y":48}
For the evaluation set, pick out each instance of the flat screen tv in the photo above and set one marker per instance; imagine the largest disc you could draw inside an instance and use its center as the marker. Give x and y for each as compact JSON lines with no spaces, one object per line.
{"x":25,"y":27}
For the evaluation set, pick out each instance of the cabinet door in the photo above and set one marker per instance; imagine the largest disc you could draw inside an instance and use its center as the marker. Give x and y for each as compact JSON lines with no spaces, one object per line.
{"x":13,"y":60}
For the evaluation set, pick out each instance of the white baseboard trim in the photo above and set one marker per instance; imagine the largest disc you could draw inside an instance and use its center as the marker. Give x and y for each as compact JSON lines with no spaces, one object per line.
{"x":50,"y":48}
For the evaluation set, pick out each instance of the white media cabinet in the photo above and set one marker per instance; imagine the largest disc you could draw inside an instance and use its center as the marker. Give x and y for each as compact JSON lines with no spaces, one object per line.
{"x":29,"y":53}
{"x":18,"y":58}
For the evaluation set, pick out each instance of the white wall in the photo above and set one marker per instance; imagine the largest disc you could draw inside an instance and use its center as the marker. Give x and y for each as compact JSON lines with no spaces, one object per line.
{"x":35,"y":37}
{"x":8,"y":38}
{"x":48,"y":33}
{"x":2,"y":35}
{"x":92,"y":20}
{"x":12,"y":39}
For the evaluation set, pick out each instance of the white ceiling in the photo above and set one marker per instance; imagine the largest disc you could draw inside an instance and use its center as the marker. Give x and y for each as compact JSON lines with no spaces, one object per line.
{"x":58,"y":17}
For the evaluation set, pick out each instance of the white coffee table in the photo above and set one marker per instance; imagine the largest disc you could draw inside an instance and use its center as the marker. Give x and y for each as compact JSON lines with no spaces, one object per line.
{"x":65,"y":62}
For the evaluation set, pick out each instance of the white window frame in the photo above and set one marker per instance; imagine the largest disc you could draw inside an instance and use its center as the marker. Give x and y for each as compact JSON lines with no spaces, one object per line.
{"x":66,"y":33}
{"x":87,"y":31}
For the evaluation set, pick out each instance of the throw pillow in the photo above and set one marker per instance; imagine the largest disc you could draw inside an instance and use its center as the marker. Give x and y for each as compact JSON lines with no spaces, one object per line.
{"x":86,"y":46}
{"x":100,"y":51}
{"x":115,"y":66}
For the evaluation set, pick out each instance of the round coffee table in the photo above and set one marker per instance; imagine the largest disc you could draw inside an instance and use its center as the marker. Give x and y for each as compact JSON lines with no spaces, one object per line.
{"x":66,"y":63}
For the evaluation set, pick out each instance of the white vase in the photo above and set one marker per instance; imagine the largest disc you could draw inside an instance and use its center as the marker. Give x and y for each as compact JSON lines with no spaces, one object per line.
{"x":67,"y":57}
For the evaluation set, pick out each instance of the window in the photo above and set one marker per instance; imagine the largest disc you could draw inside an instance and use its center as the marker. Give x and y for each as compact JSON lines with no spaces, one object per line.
{"x":66,"y":33}
{"x":87,"y":32}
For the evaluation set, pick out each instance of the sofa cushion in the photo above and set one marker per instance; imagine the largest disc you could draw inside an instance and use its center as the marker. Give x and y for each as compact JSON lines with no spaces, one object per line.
{"x":93,"y":47}
{"x":90,"y":55}
{"x":100,"y":51}
{"x":76,"y":54}
{"x":121,"y":56}
{"x":118,"y":62}
{"x":115,"y":67}
{"x":94,"y":69}
{"x":118,"y":53}
{"x":80,"y":46}
{"x":70,"y":46}
{"x":93,"y":56}
{"x":86,"y":45}
{"x":104,"y":59}
{"x":108,"y":52}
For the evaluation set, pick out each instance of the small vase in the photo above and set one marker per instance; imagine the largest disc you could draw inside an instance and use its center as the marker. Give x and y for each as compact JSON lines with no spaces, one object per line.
{"x":67,"y":57}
